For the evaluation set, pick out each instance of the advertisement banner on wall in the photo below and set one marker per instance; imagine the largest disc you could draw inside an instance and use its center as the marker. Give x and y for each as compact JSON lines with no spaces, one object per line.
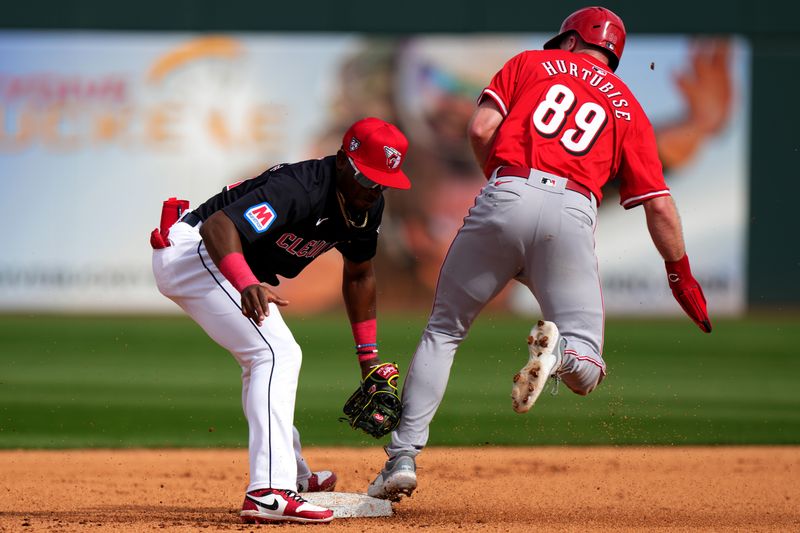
{"x":98,"y":128}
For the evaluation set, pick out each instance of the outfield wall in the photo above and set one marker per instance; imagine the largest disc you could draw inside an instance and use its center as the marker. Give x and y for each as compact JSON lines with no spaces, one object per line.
{"x":748,"y":226}
{"x":100,"y":127}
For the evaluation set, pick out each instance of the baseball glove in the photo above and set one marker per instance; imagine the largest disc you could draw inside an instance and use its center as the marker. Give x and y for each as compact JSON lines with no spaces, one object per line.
{"x":375,"y":406}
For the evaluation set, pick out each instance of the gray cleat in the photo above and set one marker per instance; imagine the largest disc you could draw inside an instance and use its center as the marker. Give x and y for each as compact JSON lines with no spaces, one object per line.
{"x":398,"y":478}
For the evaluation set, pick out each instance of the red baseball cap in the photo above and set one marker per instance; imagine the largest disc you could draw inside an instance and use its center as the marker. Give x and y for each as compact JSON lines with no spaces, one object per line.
{"x":377,"y":149}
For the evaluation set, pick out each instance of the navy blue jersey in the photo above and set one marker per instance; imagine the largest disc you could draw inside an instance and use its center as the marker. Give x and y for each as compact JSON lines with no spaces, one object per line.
{"x":289,"y":215}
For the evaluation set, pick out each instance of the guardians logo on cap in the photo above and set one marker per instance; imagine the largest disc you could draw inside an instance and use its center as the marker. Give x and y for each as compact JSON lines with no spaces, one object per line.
{"x":393,"y":157}
{"x":377,"y":149}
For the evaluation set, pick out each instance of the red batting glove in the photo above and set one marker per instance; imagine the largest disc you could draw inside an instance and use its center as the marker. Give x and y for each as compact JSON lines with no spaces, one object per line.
{"x":171,"y":211}
{"x":157,"y":241}
{"x":688,"y":292}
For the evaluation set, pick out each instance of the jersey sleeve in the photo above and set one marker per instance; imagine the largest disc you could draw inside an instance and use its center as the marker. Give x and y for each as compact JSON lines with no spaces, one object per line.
{"x":281,"y":200}
{"x":640,"y":173}
{"x":501,"y":88}
{"x":361,"y":248}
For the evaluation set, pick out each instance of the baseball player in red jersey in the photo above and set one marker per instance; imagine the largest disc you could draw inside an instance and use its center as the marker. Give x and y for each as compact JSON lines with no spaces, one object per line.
{"x":550,"y":130}
{"x":220,"y":264}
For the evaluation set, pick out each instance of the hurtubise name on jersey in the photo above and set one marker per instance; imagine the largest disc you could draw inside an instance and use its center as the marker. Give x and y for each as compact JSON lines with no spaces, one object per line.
{"x":594,"y":78}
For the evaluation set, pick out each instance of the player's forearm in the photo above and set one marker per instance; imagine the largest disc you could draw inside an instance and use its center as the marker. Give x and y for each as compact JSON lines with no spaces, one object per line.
{"x":664,"y":226}
{"x":220,"y":237}
{"x":360,"y":297}
{"x":480,"y":150}
{"x":481,"y":139}
{"x":359,"y":292}
{"x":225,"y":248}
{"x":482,"y":130}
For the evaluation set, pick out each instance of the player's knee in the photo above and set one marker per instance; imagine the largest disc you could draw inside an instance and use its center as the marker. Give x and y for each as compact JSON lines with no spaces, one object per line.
{"x":584,"y":381}
{"x":449,"y":327}
{"x":293,"y":353}
{"x":583,"y":390}
{"x":287,"y":353}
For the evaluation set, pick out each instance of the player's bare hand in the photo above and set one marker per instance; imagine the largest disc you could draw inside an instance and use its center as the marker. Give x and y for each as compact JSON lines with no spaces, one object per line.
{"x":256,"y":300}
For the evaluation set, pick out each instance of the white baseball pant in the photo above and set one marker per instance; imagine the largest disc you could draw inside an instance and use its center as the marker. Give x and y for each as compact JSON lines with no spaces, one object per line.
{"x":269,"y":356}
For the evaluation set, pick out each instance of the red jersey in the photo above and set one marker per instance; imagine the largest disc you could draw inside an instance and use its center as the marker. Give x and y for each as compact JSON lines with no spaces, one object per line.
{"x":567,"y":114}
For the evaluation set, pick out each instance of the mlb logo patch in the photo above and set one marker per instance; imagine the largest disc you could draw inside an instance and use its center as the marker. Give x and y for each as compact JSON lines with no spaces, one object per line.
{"x":550,"y":182}
{"x":261,"y":217}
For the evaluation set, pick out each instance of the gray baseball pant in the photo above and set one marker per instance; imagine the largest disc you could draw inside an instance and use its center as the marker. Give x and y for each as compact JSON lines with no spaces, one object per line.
{"x":531,"y":229}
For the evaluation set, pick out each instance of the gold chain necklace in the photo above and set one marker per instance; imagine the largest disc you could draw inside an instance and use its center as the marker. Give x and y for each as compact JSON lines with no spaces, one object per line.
{"x":347,"y":219}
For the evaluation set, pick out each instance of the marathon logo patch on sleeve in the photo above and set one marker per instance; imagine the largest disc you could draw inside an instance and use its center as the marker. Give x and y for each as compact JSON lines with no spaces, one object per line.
{"x":261,"y":216}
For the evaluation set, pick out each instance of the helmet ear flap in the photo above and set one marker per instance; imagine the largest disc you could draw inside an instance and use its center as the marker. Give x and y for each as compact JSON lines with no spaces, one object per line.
{"x":558,"y":40}
{"x":555,"y":42}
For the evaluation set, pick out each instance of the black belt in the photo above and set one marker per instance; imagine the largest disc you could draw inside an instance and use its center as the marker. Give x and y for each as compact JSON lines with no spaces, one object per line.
{"x":191,"y":219}
{"x":523,"y":172}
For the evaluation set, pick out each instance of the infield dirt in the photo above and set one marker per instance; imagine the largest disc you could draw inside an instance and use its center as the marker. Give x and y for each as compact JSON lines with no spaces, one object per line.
{"x":460,"y":489}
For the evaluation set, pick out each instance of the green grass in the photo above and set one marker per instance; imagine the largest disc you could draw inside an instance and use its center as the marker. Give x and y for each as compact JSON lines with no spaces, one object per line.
{"x":69,"y":382}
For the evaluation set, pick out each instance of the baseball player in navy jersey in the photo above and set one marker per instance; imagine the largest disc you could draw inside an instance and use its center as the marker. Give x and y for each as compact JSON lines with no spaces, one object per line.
{"x":219,"y":263}
{"x":550,"y":130}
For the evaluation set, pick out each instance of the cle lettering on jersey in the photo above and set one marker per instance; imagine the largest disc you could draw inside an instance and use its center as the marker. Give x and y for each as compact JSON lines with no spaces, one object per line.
{"x":594,"y":76}
{"x":261,"y":216}
{"x":311,"y":249}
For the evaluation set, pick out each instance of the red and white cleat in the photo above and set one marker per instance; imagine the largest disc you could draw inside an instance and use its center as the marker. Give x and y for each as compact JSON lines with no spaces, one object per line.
{"x":322,"y":481}
{"x":275,"y":505}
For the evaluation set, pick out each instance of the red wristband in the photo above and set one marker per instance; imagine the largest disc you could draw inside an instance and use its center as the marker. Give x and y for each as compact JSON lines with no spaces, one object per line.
{"x":365,"y":334}
{"x":237,"y":271}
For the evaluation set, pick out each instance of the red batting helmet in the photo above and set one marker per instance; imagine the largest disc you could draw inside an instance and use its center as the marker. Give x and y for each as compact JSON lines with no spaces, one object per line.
{"x":597,"y":26}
